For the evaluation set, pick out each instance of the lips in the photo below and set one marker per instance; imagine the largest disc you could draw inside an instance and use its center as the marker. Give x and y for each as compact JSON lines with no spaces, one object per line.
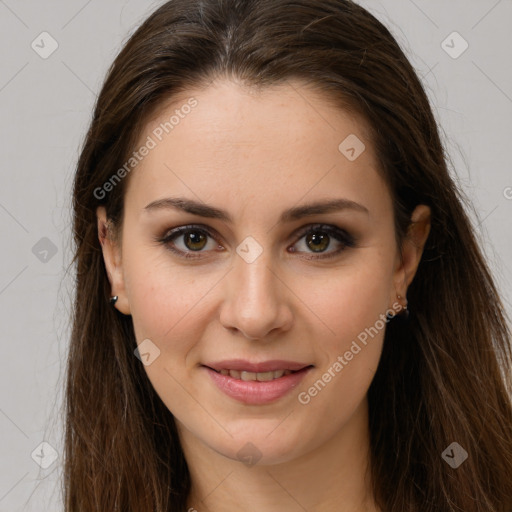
{"x":256,"y":383}
{"x":242,"y":365}
{"x":259,"y":376}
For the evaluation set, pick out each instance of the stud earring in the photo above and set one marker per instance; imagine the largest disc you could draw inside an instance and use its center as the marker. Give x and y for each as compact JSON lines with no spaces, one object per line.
{"x":404,"y":314}
{"x":113,"y":300}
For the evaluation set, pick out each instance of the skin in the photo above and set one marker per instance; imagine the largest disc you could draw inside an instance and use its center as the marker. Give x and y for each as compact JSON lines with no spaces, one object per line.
{"x":256,"y":154}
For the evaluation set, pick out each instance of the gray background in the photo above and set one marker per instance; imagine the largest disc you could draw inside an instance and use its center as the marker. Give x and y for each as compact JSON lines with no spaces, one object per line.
{"x":46,"y":105}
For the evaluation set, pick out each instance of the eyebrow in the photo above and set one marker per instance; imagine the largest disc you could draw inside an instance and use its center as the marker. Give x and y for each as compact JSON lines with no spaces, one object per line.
{"x":294,"y":213}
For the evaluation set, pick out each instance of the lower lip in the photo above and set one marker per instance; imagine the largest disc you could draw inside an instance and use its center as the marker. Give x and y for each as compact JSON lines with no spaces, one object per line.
{"x":256,"y":392}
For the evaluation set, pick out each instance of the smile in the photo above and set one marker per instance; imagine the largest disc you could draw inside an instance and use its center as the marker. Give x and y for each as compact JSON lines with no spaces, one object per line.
{"x":259,"y":376}
{"x":256,"y":387}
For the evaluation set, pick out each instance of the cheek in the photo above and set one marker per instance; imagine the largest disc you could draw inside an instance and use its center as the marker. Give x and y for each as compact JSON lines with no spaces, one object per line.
{"x":168,"y":307}
{"x":351,"y":299}
{"x":352,"y":307}
{"x":352,"y":304}
{"x":163,"y":298}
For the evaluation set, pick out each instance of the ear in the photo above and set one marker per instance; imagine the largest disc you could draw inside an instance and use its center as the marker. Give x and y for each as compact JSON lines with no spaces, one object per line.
{"x":112,"y":259}
{"x":411,"y":251}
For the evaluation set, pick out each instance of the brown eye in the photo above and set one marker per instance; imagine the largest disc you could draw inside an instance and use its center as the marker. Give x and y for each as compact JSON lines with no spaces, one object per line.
{"x":194,"y":240}
{"x":317,"y":242}
{"x":318,"y":238}
{"x":187,"y":240}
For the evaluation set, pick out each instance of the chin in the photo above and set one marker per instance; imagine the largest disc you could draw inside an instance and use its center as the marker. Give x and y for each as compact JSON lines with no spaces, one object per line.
{"x":257,"y":445}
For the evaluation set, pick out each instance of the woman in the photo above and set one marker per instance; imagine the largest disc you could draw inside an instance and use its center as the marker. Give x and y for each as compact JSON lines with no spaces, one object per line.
{"x":300,"y":317}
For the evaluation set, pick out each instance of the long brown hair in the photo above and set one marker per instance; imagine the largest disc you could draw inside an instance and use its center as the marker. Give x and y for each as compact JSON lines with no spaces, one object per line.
{"x":444,"y":377}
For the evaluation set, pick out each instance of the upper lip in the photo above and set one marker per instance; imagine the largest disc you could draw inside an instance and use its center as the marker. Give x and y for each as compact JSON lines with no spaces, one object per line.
{"x":264,"y":366}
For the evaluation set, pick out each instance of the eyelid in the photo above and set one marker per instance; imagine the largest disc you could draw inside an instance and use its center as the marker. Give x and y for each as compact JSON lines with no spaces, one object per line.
{"x":179,"y":230}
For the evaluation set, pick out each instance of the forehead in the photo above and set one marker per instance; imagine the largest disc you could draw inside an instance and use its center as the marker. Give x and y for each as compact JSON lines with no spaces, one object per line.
{"x":227,"y":141}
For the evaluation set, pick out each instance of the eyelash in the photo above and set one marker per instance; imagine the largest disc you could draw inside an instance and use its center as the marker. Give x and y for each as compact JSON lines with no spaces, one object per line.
{"x":347,"y":240}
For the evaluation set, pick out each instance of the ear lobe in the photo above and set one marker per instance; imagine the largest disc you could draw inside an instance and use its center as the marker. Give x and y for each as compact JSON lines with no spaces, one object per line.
{"x":412,"y":248}
{"x":112,"y":259}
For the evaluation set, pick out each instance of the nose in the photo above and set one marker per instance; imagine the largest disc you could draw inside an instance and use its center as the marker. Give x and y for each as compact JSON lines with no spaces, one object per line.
{"x":256,"y":303}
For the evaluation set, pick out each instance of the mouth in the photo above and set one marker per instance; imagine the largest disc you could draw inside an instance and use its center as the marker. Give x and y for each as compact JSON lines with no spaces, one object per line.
{"x":242,"y":369}
{"x":256,"y":383}
{"x":255,"y":376}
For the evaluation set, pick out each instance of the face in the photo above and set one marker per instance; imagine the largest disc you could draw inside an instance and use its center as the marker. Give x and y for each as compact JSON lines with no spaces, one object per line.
{"x":223,"y":267}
